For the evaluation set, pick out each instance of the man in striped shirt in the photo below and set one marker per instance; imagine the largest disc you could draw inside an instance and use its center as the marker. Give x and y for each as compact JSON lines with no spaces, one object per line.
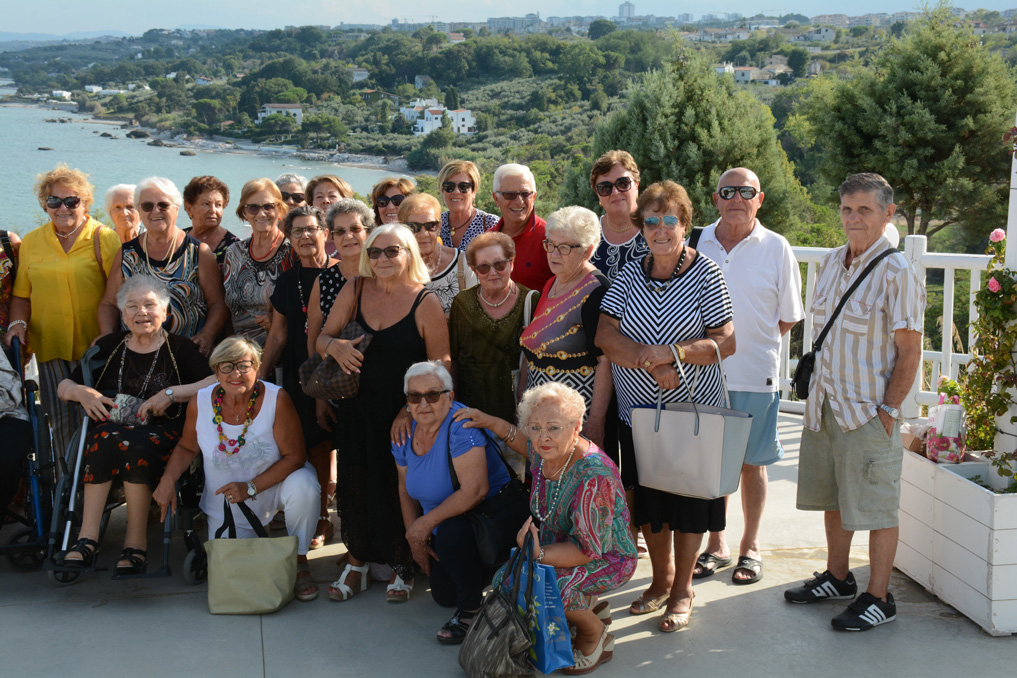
{"x":851,"y":452}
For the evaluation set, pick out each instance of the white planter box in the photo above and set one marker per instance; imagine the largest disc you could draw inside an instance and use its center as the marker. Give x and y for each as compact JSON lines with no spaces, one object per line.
{"x":959,"y":540}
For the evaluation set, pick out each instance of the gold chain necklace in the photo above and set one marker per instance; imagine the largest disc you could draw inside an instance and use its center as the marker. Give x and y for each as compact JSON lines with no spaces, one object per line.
{"x":169,"y":252}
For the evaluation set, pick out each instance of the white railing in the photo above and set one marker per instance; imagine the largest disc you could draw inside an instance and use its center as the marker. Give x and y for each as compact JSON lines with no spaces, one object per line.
{"x":943,"y":362}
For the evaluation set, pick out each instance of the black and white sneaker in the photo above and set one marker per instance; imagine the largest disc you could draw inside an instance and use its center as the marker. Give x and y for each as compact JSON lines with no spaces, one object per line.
{"x":823,"y":587}
{"x":865,"y":613}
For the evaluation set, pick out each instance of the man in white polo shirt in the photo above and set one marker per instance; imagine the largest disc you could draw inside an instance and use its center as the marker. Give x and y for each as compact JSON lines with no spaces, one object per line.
{"x":765,"y":285}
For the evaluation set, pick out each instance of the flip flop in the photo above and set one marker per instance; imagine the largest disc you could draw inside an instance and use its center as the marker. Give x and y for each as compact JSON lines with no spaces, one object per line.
{"x":709,"y":564}
{"x":751,"y":565}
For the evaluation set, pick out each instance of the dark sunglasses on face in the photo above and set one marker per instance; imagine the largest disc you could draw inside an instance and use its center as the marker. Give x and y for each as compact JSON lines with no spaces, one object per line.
{"x":500,"y":266}
{"x":429,"y":226}
{"x":384,"y":200}
{"x":451,"y":186}
{"x":623,"y":184}
{"x":252,"y":210}
{"x":390,"y":252}
{"x":147,"y":207}
{"x":512,"y":195}
{"x":352,"y":230}
{"x":53,"y":202}
{"x":728,"y":192}
{"x":670,"y":222}
{"x":295,"y":197}
{"x":431,"y":397}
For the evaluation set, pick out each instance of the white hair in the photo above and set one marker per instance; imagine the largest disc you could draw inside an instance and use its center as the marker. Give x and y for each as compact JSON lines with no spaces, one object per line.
{"x":513,"y":170}
{"x":428,"y":368}
{"x":167,"y":187}
{"x":143,"y":283}
{"x":113,"y":190}
{"x":577,"y":223}
{"x":569,"y":401}
{"x":290,"y":178}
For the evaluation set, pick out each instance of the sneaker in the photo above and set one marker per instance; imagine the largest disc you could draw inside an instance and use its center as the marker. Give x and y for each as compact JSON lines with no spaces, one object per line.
{"x":823,"y":587}
{"x":866,"y":612}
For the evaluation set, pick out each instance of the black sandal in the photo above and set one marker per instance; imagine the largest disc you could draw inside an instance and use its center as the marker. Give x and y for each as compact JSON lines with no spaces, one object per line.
{"x":88,"y":548}
{"x":138,"y":559}
{"x":456,"y":627}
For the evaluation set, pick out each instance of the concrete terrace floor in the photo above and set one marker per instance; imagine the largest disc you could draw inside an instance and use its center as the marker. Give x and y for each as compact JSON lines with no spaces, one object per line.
{"x":161,"y":627}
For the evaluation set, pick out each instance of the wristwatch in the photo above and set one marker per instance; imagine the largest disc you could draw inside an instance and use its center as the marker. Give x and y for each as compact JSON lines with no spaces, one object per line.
{"x":252,"y":491}
{"x":681,"y":352}
{"x":169,"y":392}
{"x":892,"y":411}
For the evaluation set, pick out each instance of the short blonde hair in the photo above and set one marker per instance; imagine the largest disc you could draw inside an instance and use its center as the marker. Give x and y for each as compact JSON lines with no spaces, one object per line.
{"x":418,"y":202}
{"x":232,"y":349}
{"x":455,"y":167}
{"x":252,"y":187}
{"x":569,"y":401}
{"x":576,"y":223}
{"x":417,"y":269}
{"x":76,"y":180}
{"x":345,"y":190}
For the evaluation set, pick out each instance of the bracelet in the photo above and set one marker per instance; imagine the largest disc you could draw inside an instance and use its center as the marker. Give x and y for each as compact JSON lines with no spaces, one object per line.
{"x":510,"y":435}
{"x":540,"y":556}
{"x":329,"y":344}
{"x":17,"y":322}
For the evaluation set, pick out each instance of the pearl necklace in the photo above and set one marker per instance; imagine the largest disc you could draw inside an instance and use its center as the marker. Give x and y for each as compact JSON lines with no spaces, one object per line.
{"x":437,"y":264}
{"x":557,"y":488}
{"x":68,"y":235}
{"x":494,"y":305}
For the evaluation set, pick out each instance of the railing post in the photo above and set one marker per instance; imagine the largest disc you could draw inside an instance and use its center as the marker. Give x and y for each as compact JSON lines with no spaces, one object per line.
{"x":915,"y":247}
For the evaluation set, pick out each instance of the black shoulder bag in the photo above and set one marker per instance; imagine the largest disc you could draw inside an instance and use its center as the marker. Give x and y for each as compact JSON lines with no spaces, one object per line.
{"x":802,"y":378}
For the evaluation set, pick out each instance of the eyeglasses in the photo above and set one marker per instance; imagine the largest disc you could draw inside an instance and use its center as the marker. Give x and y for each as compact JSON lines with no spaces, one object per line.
{"x":294,"y":197}
{"x":242,"y":366}
{"x":623,"y":184}
{"x":431,"y":397}
{"x":298,"y":233}
{"x":384,"y":200}
{"x":563,"y":250}
{"x":252,"y":210}
{"x":670,"y":222}
{"x":728,"y":192}
{"x":418,"y":226}
{"x":512,"y":195}
{"x":552,"y":431}
{"x":71,"y":202}
{"x":390,"y":252}
{"x":352,"y":230}
{"x":451,"y":186}
{"x":484,"y":269}
{"x":147,"y":207}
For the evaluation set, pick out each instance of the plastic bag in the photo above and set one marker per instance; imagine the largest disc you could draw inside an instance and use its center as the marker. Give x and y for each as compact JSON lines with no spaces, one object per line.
{"x":947,"y":432}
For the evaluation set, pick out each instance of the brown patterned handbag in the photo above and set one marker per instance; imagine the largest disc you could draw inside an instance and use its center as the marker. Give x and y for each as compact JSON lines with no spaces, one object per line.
{"x":322,"y":378}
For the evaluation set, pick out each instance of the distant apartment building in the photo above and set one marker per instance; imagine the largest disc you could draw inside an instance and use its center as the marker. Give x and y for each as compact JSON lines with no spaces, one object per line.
{"x":513,"y":23}
{"x":626,"y":10}
{"x":821,"y":34}
{"x":291,"y":110}
{"x":835,"y":20}
{"x":684,"y":18}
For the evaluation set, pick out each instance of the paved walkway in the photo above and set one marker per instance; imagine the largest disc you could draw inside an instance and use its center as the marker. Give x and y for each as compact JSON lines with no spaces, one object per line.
{"x":161,"y":627}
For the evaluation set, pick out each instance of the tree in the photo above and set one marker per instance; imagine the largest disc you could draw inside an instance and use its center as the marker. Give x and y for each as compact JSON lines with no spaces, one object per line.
{"x":798,"y":61}
{"x":600,"y":27}
{"x":429,"y":154}
{"x":277,"y":122}
{"x":452,"y":98}
{"x":927,"y":117}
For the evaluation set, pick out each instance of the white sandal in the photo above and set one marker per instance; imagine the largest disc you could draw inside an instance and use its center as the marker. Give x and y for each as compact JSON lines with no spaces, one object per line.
{"x":602,"y":654}
{"x":340,"y":591}
{"x":394,"y":591}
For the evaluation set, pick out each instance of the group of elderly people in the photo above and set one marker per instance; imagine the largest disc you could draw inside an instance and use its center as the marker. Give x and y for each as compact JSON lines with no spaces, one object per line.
{"x":497,"y":344}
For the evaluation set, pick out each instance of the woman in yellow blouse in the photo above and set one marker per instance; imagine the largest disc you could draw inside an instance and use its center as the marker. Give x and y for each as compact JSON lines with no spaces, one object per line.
{"x":62,"y":270}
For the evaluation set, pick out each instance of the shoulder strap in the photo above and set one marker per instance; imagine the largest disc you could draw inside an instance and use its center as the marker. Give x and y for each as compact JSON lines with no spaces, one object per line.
{"x":489,"y":438}
{"x":96,"y":246}
{"x":460,"y":271}
{"x":697,"y":232}
{"x":358,"y":287}
{"x":9,"y":251}
{"x":528,"y":307}
{"x":818,"y":343}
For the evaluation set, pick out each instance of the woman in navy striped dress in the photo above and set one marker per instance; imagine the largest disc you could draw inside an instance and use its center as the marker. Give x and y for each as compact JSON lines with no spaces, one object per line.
{"x":672,"y":297}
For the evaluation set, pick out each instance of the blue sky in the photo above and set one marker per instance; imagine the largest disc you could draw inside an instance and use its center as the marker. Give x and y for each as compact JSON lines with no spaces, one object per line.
{"x":63,"y":16}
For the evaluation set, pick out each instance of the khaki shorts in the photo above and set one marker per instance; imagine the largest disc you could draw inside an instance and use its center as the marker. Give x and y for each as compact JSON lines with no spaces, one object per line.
{"x":855,"y":472}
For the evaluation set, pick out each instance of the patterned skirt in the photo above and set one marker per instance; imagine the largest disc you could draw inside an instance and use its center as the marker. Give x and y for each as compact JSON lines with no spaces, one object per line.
{"x":135,"y":454}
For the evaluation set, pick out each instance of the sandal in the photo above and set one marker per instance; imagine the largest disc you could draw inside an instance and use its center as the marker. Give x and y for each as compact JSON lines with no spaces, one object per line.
{"x":305,"y":589}
{"x":457,"y":627}
{"x":644,"y":605}
{"x":676,"y":621}
{"x":137,"y":562}
{"x":399,"y":591}
{"x":602,"y":654}
{"x":603,"y":612}
{"x":749,"y":565}
{"x":323,"y":535}
{"x":340,"y":590}
{"x":708,"y":564}
{"x":87,"y":548}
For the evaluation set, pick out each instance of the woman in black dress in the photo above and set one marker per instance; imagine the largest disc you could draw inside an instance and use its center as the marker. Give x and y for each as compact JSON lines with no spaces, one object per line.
{"x":205,"y":200}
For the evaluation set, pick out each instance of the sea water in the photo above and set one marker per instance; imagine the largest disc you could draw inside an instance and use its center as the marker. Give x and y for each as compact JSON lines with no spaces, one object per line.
{"x":23,"y":130}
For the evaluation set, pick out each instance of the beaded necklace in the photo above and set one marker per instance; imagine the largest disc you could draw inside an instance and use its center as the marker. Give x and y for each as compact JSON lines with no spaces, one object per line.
{"x":656,"y":285}
{"x":557,"y":488}
{"x":303,"y":301}
{"x":217,"y":420}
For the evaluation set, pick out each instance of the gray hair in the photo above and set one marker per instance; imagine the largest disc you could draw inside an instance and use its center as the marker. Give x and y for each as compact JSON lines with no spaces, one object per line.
{"x":569,"y":401}
{"x":232,"y":349}
{"x":290,"y":178}
{"x":143,"y":282}
{"x":513,"y":170}
{"x":350,"y":206}
{"x":113,"y":190}
{"x":576,"y":223}
{"x":163,"y":184}
{"x":868,"y":182}
{"x":428,"y":368}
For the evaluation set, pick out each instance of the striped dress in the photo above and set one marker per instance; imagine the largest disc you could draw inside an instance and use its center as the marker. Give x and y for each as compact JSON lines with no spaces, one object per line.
{"x":188,"y":307}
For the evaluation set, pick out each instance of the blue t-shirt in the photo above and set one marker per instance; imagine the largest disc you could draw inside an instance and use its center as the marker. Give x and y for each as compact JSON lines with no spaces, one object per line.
{"x":427,"y":477}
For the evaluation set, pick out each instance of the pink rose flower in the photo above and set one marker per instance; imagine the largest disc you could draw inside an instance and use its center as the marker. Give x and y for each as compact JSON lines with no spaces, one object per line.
{"x":998,"y":235}
{"x":994,"y":285}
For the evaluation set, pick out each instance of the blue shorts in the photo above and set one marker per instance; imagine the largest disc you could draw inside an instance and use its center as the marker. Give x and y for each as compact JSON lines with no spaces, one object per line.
{"x":764,"y":443}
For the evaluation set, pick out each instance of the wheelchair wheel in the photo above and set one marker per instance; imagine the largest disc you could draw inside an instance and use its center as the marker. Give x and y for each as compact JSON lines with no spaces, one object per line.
{"x":26,"y":561}
{"x":63,"y":578}
{"x":195,"y":567}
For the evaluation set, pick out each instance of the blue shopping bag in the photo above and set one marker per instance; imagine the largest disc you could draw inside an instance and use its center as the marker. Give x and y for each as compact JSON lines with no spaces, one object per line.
{"x":549,"y":632}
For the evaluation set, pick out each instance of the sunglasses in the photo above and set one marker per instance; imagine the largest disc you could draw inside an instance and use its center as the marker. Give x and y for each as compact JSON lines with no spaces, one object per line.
{"x":451,"y":186}
{"x":431,"y":397}
{"x":252,"y":210}
{"x":563,"y":250}
{"x":242,"y":366}
{"x":147,"y":207}
{"x":623,"y":184}
{"x":71,"y":202}
{"x":390,"y":252}
{"x":512,"y":195}
{"x":295,"y":197}
{"x":418,"y":226}
{"x":297,"y":233}
{"x":384,"y":200}
{"x":352,"y":230}
{"x":670,"y":222}
{"x":500,"y":266}
{"x":747,"y":192}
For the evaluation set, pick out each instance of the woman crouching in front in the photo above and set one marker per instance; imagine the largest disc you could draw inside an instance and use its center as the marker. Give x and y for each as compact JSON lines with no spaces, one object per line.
{"x":578,"y":499}
{"x":252,"y":446}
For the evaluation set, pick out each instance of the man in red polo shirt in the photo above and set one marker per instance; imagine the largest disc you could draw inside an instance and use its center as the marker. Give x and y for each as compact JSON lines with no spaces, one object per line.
{"x":515,"y":191}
